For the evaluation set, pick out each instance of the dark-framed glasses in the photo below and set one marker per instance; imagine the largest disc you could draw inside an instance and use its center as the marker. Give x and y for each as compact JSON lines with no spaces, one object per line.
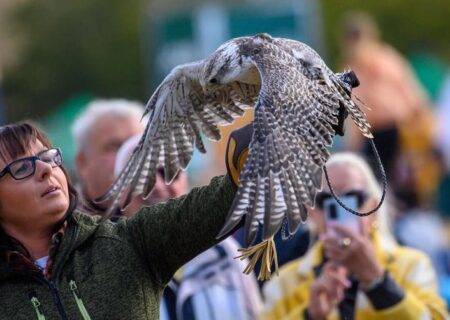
{"x":360,"y":195}
{"x":24,"y":167}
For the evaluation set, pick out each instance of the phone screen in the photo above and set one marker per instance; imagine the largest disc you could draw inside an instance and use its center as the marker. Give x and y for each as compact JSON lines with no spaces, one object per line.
{"x":335,"y":214}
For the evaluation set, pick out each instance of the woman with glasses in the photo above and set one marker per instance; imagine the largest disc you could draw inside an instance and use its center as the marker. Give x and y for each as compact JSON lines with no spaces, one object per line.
{"x":355,"y":270}
{"x":56,"y":263}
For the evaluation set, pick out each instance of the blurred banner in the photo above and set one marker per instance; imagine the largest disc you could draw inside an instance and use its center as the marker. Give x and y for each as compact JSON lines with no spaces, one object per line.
{"x":185,"y":36}
{"x":58,"y":125}
{"x":182,"y":36}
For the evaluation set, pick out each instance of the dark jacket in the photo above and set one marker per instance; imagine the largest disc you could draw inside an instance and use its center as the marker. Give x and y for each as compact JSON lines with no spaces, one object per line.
{"x":118,"y":271}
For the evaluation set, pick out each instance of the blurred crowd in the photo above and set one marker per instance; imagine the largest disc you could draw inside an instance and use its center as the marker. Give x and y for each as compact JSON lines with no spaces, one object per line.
{"x":405,"y":245}
{"x":410,"y":134}
{"x":414,"y":152}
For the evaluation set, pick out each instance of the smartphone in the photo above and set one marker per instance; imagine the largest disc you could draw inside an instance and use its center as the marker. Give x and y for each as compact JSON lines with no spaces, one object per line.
{"x":335,"y":214}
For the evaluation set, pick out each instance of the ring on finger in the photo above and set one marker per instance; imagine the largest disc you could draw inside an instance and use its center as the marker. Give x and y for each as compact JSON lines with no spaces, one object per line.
{"x":344,"y":243}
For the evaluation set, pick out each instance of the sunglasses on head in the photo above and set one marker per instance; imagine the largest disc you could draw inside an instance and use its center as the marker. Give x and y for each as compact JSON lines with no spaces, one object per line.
{"x":360,"y":195}
{"x":25,"y":167}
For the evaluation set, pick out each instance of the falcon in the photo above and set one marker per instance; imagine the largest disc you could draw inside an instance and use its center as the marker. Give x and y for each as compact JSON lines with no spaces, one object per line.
{"x":299,"y":106}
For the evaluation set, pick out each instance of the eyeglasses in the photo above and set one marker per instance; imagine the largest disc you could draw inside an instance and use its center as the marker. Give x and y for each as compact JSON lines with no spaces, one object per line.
{"x":361,"y":197}
{"x":23,"y":168}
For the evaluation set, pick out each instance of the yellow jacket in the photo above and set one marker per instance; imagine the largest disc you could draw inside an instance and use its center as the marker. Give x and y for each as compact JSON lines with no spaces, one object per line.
{"x":287,"y":296}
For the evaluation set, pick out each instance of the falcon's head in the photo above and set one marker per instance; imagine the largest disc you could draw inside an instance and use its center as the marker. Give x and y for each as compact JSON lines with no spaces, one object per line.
{"x":349,"y":80}
{"x":225,"y":65}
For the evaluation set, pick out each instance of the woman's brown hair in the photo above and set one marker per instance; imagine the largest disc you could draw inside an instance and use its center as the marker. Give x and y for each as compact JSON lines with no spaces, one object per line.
{"x":16,"y":138}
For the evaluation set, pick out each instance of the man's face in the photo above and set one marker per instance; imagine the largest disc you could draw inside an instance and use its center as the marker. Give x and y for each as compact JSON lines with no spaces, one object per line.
{"x":95,"y":164}
{"x":161,"y":192}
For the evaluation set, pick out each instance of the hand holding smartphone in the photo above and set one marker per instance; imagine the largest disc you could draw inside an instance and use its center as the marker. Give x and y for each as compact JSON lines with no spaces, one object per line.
{"x":335,"y":214}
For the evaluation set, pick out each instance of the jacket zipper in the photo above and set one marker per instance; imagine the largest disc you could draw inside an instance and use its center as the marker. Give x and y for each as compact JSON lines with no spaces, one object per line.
{"x":38,"y":308}
{"x":53,"y":289}
{"x":55,"y":295}
{"x":57,"y":299}
{"x":80,"y":304}
{"x":51,"y":283}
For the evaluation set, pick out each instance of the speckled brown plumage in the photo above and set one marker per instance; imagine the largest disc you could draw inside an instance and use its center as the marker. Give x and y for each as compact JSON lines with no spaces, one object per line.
{"x":300,"y":104}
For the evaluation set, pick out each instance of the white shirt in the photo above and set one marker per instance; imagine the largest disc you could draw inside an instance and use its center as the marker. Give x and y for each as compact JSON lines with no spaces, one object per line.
{"x":41,"y":263}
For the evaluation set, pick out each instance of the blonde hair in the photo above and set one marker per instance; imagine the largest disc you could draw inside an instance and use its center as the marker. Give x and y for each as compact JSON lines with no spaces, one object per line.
{"x":373,"y":188}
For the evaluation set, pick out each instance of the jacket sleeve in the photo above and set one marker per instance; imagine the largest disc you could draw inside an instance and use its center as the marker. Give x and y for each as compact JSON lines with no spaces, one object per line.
{"x":169,"y":234}
{"x":421,"y":299}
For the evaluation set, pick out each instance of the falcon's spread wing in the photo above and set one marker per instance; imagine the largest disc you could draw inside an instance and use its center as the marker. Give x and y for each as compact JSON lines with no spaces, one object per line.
{"x":295,"y":118}
{"x":179,"y":111}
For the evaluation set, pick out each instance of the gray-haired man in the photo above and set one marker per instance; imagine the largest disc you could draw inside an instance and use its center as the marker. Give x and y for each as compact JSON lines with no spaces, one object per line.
{"x":99,"y":131}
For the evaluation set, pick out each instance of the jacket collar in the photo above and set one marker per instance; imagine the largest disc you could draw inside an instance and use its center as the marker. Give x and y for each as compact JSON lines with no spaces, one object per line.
{"x":79,"y":228}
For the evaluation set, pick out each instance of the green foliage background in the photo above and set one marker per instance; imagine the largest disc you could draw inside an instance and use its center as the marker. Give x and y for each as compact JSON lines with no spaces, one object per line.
{"x":95,"y":46}
{"x":83,"y":46}
{"x":409,"y":25}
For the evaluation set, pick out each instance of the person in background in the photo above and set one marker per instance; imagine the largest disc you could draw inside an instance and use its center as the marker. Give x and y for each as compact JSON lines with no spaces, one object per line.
{"x":442,"y":140}
{"x":210,"y":286}
{"x":442,"y":137}
{"x":397,"y":106}
{"x":356,"y":270}
{"x":98,"y":132}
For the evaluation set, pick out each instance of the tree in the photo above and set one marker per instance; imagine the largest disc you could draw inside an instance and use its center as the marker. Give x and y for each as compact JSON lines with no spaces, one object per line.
{"x":409,"y":25}
{"x":86,"y":46}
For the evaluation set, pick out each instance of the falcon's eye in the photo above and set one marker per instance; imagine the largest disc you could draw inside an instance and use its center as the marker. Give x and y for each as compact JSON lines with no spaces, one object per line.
{"x":213,"y":80}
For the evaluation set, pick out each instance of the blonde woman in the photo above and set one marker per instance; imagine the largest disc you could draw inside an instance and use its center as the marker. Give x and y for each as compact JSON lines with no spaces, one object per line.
{"x":356,"y":270}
